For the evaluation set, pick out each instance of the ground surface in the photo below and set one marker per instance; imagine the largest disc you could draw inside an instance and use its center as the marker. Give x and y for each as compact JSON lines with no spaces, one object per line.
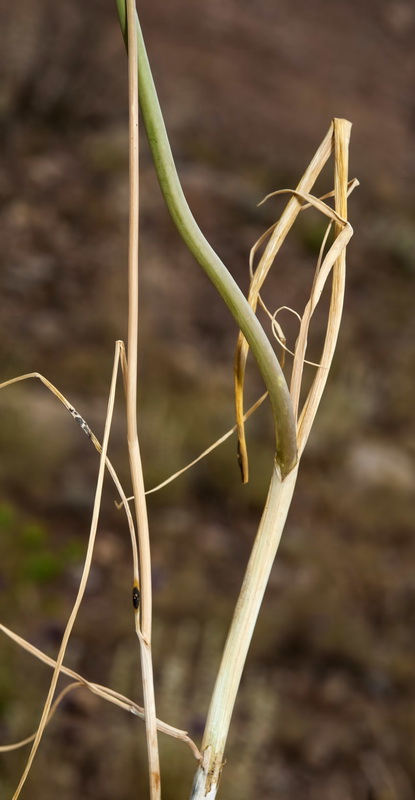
{"x":327,"y":706}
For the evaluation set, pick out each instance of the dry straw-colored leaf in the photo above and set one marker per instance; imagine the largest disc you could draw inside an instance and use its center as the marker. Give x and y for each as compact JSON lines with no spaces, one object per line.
{"x":336,"y":140}
{"x":83,"y":581}
{"x":104,"y":692}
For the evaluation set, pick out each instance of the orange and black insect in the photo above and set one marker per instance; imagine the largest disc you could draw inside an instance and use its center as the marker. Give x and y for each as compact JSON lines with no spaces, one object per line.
{"x":136,"y":597}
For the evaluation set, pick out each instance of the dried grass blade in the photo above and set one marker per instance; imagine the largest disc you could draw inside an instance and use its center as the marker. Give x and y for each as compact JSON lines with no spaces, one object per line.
{"x":301,"y":344}
{"x":320,"y":278}
{"x":84,"y":578}
{"x":61,"y":397}
{"x":104,"y":692}
{"x":208,"y":450}
{"x":143,"y":614}
{"x":277,"y":237}
{"x":275,"y":327}
{"x":278,"y":332}
{"x":6,"y":748}
{"x":321,"y":275}
{"x":342,"y":129}
{"x":202,"y":455}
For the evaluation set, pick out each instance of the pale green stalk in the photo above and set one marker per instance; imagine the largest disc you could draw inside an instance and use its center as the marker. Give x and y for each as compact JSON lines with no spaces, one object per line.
{"x":239,"y":638}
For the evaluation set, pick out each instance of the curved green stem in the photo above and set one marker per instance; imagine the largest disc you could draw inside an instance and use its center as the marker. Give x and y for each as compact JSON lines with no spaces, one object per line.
{"x":285,"y":429}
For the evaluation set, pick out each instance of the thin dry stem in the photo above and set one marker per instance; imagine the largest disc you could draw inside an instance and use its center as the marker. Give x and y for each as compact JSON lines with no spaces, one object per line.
{"x":84,"y":578}
{"x":276,"y":328}
{"x":143,"y":620}
{"x":124,"y":501}
{"x":322,"y":272}
{"x":7,"y":748}
{"x":202,"y":455}
{"x":104,"y":692}
{"x":277,"y":237}
{"x":343,"y":230}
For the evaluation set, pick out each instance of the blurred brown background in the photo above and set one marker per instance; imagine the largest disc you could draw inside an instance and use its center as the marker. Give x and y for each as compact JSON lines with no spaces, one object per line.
{"x":327,"y":704}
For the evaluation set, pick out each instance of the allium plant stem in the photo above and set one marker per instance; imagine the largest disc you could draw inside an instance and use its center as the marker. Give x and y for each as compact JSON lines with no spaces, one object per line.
{"x":239,"y":638}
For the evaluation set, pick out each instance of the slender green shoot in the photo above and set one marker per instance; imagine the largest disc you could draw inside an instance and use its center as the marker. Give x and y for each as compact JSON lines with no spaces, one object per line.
{"x":286,"y":447}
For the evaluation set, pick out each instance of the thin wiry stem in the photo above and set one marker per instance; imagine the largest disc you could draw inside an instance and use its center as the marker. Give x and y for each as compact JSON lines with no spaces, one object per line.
{"x":342,"y":130}
{"x":344,"y":232}
{"x":277,"y":237}
{"x":143,"y":615}
{"x":84,"y":578}
{"x":202,"y":455}
{"x":104,"y":692}
{"x":91,"y":436}
{"x":17,"y":745}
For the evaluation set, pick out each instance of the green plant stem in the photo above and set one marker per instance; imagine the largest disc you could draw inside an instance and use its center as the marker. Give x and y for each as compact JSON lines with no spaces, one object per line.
{"x":286,"y":445}
{"x":236,"y":648}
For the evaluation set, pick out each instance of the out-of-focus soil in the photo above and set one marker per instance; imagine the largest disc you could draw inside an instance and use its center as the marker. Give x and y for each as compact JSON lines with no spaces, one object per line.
{"x":327,"y":703}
